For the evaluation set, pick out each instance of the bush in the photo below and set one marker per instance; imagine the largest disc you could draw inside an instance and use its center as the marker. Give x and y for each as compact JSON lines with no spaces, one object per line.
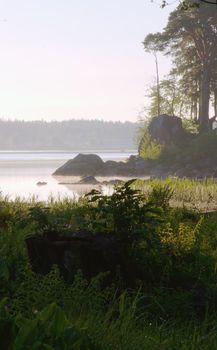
{"x":127,"y":213}
{"x":148,"y":148}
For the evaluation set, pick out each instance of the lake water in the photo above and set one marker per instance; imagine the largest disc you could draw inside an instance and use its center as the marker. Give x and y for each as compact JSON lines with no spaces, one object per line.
{"x":21,"y":171}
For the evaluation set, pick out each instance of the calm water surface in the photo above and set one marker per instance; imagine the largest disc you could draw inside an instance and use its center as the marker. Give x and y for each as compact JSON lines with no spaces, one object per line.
{"x":21,"y":171}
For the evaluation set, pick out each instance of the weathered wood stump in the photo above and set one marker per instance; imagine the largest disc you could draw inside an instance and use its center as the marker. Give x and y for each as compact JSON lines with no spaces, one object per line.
{"x":92,"y":254}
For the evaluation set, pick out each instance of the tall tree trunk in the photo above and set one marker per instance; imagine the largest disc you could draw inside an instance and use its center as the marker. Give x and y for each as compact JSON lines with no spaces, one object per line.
{"x":195,"y":110}
{"x":196,"y":101}
{"x":215,"y":102}
{"x":192,"y":108}
{"x":204,"y":98}
{"x":172,"y":103}
{"x":158,"y":84}
{"x":180,"y":108}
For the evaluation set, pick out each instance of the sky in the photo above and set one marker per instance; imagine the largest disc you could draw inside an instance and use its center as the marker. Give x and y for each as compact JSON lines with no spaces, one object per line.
{"x":66,"y":59}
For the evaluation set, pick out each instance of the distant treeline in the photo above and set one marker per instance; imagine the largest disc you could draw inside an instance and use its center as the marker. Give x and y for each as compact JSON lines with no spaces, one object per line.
{"x":67,"y":135}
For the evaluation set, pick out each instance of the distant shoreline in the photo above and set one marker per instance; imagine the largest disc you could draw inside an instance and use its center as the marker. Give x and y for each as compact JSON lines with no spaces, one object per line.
{"x":71,"y":151}
{"x":54,"y":159}
{"x":67,"y":136}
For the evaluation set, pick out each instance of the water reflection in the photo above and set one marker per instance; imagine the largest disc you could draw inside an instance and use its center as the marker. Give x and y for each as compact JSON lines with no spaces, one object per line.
{"x":19,"y":177}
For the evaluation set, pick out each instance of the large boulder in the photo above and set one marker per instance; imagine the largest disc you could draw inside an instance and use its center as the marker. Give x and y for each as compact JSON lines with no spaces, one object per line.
{"x":166,"y":129}
{"x":139,"y":166}
{"x":81,"y":165}
{"x":110,"y":168}
{"x":90,"y":165}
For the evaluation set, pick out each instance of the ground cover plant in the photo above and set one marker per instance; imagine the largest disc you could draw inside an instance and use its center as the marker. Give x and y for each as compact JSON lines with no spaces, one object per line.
{"x":173,"y":305}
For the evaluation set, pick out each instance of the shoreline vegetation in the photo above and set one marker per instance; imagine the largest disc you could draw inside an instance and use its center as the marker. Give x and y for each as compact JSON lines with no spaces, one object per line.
{"x":173,"y":305}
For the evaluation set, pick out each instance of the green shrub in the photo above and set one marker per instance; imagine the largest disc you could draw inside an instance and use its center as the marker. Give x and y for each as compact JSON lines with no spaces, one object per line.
{"x":175,"y":249}
{"x":150,"y":149}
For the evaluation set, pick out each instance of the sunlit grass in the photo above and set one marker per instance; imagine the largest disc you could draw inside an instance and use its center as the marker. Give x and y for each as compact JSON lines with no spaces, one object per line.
{"x":191,"y":193}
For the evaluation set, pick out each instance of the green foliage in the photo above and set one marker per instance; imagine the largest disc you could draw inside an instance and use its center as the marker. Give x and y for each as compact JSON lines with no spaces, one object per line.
{"x":185,"y":43}
{"x":12,"y":258}
{"x":6,"y":216}
{"x":126,"y":212}
{"x":184,"y":6}
{"x":6,"y":325}
{"x":43,"y":219}
{"x":175,"y":306}
{"x":49,"y":329}
{"x":197,"y":195}
{"x":161,"y":195}
{"x":190,"y":125}
{"x":173,"y":99}
{"x":39,"y":215}
{"x":200,"y":149}
{"x":149,"y":149}
{"x":203,"y":146}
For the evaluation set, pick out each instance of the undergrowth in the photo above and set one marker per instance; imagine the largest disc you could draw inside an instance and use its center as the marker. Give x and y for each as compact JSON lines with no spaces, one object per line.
{"x":175,"y":302}
{"x":197,"y":150}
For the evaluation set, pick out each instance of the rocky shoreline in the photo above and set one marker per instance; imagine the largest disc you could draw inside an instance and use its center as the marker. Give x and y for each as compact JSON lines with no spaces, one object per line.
{"x":86,"y":165}
{"x":192,"y":161}
{"x":90,"y":166}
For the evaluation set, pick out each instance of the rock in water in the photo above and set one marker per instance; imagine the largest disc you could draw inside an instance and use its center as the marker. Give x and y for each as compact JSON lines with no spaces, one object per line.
{"x":41,"y":183}
{"x":88,"y":180}
{"x":81,"y":165}
{"x":90,"y":165}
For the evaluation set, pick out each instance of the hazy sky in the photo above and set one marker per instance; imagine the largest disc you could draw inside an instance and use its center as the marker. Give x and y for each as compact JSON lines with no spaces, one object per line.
{"x":63,"y":59}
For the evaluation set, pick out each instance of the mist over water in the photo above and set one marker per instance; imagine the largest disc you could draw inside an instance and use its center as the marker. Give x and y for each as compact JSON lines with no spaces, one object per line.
{"x":21,"y":171}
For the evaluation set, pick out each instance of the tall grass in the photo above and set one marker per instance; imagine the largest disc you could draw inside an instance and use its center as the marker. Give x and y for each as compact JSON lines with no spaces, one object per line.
{"x":191,"y":193}
{"x":175,"y":310}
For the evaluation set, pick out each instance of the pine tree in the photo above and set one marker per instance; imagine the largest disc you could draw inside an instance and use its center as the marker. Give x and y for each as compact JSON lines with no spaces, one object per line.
{"x":190,"y":37}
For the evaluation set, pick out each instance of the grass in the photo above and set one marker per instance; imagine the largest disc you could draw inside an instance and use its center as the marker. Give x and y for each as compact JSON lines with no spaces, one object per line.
{"x":200,"y":195}
{"x":176,"y":309}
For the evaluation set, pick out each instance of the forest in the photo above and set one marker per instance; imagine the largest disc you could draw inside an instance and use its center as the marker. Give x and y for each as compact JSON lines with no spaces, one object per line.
{"x":67,"y":135}
{"x":190,"y":89}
